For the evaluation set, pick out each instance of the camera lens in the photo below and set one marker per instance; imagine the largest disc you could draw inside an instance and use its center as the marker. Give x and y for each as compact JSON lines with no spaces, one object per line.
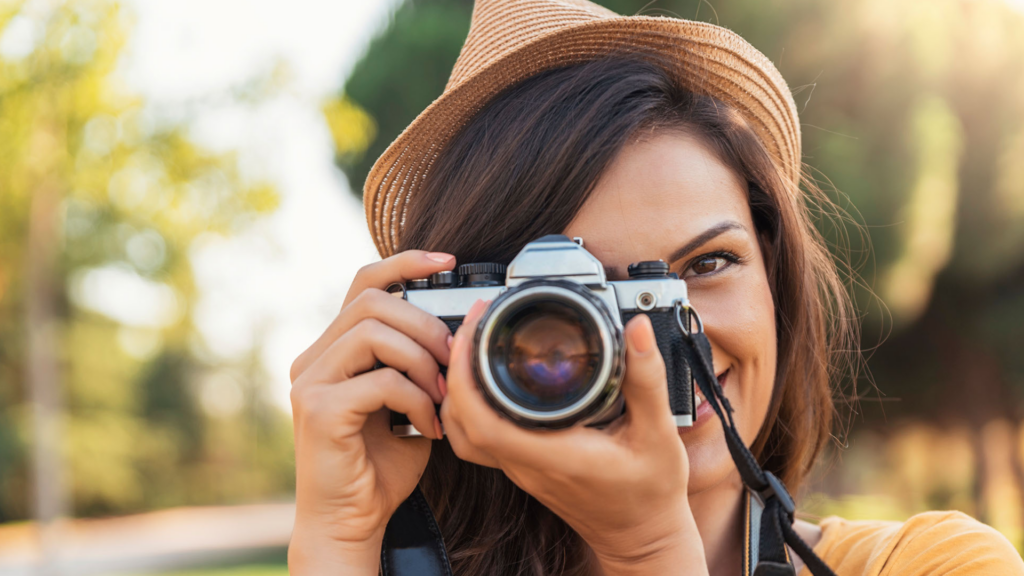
{"x":549,"y":354}
{"x":545,"y":354}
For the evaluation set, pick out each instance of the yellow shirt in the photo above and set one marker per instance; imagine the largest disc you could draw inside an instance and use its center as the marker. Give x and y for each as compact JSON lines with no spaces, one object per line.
{"x":932,"y":543}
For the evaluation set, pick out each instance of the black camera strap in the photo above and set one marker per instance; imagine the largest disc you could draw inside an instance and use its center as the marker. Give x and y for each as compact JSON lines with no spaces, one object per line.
{"x":413,"y":545}
{"x":412,"y":541}
{"x":769,"y":507}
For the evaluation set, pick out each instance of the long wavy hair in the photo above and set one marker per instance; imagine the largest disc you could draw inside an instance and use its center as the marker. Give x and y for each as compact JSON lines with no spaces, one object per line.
{"x":522,"y":168}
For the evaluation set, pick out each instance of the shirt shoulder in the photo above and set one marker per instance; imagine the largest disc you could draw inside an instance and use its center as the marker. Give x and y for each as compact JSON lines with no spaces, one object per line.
{"x":933,"y":543}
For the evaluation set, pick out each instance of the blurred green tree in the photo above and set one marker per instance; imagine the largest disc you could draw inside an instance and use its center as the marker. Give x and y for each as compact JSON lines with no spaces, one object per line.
{"x":912,"y":112}
{"x":404,"y":70}
{"x":100,"y":203}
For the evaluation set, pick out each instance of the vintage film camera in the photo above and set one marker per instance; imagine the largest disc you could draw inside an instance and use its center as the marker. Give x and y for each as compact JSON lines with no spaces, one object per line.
{"x":549,"y":352}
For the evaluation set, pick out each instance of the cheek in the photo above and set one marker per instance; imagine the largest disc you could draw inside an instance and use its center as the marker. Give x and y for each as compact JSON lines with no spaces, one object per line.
{"x":739,"y":318}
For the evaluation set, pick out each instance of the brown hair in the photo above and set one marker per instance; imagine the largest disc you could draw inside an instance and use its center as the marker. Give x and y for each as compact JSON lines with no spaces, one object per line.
{"x":522,"y":168}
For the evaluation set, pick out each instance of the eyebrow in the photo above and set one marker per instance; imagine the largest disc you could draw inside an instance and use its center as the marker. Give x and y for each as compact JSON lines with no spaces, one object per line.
{"x":705,"y":237}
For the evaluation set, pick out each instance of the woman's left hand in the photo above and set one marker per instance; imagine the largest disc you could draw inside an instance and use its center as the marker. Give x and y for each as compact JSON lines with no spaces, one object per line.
{"x":623,"y":488}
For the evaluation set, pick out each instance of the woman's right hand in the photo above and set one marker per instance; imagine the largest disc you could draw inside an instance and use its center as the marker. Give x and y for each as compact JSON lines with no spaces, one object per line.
{"x":351,"y":473}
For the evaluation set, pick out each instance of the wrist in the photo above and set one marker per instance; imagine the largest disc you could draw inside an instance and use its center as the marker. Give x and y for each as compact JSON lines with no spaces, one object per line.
{"x":310,"y":552}
{"x":675,"y":558}
{"x":667,"y":545}
{"x":664,"y":562}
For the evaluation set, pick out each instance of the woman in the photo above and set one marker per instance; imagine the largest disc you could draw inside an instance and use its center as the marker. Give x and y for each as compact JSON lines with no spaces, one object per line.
{"x":650,"y":138}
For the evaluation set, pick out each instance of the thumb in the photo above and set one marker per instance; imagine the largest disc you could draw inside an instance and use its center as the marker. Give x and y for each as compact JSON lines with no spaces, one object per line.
{"x":644,"y":389}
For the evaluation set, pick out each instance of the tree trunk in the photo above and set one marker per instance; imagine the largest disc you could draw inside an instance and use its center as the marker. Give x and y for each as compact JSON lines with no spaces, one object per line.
{"x":42,"y":377}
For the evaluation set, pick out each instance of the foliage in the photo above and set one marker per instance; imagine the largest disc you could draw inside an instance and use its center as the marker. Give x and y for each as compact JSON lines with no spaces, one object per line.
{"x":128,"y":196}
{"x":403,"y":71}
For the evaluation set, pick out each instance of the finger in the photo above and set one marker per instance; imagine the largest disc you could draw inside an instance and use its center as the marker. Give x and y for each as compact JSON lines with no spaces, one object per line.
{"x":359,"y":349}
{"x":464,"y":407}
{"x":426,"y":329}
{"x":333,"y":406}
{"x":487,"y":431}
{"x":404,"y":266}
{"x":462,"y":447}
{"x":644,"y":387}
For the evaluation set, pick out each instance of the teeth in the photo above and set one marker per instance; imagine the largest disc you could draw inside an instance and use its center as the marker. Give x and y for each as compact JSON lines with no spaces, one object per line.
{"x":700,"y":396}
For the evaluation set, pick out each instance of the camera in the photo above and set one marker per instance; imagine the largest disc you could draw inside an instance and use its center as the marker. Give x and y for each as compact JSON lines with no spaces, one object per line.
{"x":549,"y":352}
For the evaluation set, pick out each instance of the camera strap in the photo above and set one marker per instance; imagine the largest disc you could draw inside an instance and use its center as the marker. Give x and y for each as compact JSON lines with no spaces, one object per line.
{"x":413,"y":545}
{"x":769,"y":508}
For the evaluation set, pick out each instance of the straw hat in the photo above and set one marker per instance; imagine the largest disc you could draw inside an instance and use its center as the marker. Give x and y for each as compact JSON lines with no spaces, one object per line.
{"x":511,"y":40}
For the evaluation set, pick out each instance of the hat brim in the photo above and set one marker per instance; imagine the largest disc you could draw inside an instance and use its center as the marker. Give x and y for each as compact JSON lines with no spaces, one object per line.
{"x":703,"y":58}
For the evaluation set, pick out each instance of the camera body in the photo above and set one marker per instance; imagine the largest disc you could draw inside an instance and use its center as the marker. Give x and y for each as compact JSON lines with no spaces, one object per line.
{"x":549,"y":351}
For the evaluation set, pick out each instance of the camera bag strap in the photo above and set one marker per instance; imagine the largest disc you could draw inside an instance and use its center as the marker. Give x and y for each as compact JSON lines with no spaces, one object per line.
{"x":413,"y":545}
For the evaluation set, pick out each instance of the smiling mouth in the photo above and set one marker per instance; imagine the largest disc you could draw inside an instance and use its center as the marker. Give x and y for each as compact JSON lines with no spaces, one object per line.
{"x":721,"y":383}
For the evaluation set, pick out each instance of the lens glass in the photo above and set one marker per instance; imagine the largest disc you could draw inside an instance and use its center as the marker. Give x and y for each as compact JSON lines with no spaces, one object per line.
{"x":545,"y":354}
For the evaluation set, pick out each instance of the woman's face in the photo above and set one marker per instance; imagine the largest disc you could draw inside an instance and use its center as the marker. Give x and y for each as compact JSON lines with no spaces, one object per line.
{"x":667,"y":197}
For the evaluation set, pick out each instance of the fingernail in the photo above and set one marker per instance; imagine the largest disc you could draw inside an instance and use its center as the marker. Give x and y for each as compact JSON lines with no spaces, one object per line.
{"x":439,"y":257}
{"x":442,"y":385}
{"x":450,"y":340}
{"x":437,"y":428}
{"x":643,"y":336}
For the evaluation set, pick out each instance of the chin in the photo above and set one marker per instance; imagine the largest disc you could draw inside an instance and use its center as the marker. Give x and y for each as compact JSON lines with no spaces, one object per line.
{"x":710,"y":461}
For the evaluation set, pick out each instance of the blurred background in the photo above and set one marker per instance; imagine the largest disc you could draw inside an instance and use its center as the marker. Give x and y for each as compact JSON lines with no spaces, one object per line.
{"x":180,"y":217}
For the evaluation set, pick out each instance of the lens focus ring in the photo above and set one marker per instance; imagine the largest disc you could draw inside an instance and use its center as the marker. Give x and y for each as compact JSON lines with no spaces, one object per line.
{"x":549,"y":354}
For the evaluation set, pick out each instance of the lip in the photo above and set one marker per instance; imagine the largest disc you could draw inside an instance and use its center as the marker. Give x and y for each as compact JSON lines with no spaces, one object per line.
{"x":704,"y":412}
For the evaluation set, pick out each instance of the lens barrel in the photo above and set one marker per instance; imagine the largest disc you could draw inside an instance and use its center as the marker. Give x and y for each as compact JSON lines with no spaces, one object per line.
{"x":549,"y":355}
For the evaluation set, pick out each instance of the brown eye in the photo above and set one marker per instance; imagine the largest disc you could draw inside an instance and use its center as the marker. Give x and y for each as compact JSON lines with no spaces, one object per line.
{"x":707,"y":264}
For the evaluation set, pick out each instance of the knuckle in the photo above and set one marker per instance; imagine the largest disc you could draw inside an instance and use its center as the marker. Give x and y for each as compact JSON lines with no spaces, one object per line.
{"x":367,"y":329}
{"x":466,"y":451}
{"x":306,"y":400}
{"x":297,"y":398}
{"x":298,"y":367}
{"x":370,"y":301}
{"x":427,"y":326}
{"x":426,"y":403}
{"x":360,"y":303}
{"x":367,"y":269}
{"x":375,"y":295}
{"x":657,"y":368}
{"x":389,"y":379}
{"x":479,"y":436}
{"x":458,"y":444}
{"x":446,"y":412}
{"x":426,"y":359}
